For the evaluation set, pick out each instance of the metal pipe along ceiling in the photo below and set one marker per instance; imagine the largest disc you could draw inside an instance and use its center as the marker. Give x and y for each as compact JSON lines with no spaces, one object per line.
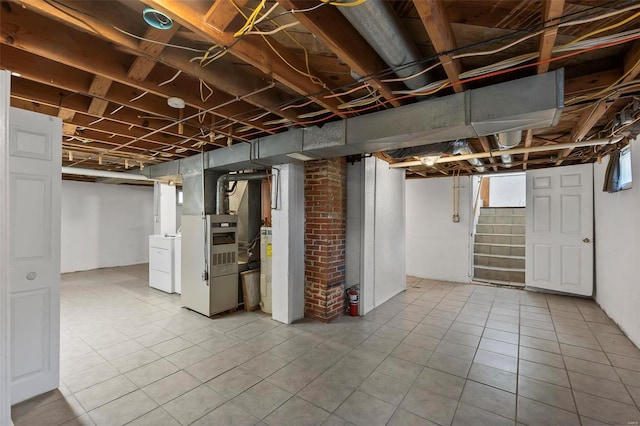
{"x":104,"y":174}
{"x":380,"y":26}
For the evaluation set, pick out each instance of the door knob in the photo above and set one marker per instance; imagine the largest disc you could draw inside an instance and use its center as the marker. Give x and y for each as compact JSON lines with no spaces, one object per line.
{"x":586,"y":240}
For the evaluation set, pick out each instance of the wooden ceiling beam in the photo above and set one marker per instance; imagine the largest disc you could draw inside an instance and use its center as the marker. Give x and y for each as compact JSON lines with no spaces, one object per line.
{"x":551,"y":12}
{"x":434,"y":18}
{"x":223,"y":13}
{"x":99,"y":88}
{"x":590,"y":117}
{"x":142,"y":66}
{"x":43,"y":34}
{"x":528,"y":138}
{"x":267,"y":55}
{"x":125,"y":118}
{"x":334,"y":30}
{"x":486,"y":146}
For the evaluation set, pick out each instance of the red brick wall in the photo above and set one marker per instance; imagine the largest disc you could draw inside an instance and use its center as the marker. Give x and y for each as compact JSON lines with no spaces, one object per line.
{"x":325,"y":194}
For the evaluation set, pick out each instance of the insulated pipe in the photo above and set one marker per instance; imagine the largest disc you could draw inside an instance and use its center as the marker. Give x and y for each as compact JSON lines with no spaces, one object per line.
{"x":381,"y":28}
{"x":221,"y":185}
{"x":105,"y":174}
{"x":514,"y":151}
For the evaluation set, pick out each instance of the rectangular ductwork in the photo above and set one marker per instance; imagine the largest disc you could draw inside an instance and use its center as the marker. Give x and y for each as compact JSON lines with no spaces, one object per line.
{"x":528,"y":103}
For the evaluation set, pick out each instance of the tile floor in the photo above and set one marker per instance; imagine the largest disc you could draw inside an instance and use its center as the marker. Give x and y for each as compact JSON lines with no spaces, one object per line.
{"x":439,"y":353}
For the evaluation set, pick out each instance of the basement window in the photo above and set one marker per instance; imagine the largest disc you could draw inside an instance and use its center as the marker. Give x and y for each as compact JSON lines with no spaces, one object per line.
{"x":180,"y":197}
{"x":618,"y":176}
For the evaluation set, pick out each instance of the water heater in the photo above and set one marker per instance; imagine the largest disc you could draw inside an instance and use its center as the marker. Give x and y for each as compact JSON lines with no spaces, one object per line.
{"x":265,"y":269}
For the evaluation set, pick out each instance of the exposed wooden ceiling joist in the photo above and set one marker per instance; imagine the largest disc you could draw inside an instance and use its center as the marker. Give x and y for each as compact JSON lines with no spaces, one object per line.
{"x":330,"y":26}
{"x":434,"y":18}
{"x":266,"y":55}
{"x":551,"y":11}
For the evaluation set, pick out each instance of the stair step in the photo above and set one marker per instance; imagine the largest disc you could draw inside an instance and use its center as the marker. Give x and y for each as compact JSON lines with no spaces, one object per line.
{"x":502,"y":211}
{"x":499,"y":249}
{"x":507,"y":262}
{"x":501,"y":220}
{"x":498,"y":282}
{"x":512,"y":229}
{"x":499,"y":239}
{"x":499,"y":274}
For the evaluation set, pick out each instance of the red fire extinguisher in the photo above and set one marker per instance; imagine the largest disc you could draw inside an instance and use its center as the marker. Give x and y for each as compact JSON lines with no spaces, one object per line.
{"x":353,"y":301}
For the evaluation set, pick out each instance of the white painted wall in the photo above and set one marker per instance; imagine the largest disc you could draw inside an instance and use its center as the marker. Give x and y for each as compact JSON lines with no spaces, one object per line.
{"x":375,"y":231}
{"x":390,"y":265}
{"x":508,"y":190}
{"x":436,"y":247}
{"x":287,"y":220}
{"x":165,"y":209}
{"x":5,"y":317}
{"x":617,"y":243}
{"x":105,"y":225}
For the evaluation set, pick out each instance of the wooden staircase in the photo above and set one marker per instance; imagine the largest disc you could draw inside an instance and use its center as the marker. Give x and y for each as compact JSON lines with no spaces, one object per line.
{"x":499,"y":244}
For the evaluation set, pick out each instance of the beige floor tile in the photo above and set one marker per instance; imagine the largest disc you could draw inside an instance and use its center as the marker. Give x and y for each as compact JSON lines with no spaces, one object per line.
{"x":496,"y":360}
{"x":189,"y":356}
{"x":90,"y":377}
{"x":123,"y":409}
{"x":119,"y":350}
{"x":326,"y":392}
{"x":456,"y":349}
{"x":105,"y":392}
{"x":540,"y":344}
{"x":228,"y":414}
{"x":600,"y":387}
{"x":493,"y":377}
{"x":430,"y":406}
{"x":135,"y":360}
{"x":364,"y":410}
{"x":261,"y":399}
{"x":557,"y":396}
{"x":209,"y":368}
{"x":386,"y":388}
{"x":233,"y":382}
{"x":490,"y":399}
{"x":51,"y":414}
{"x":449,"y":364}
{"x":591,"y":368}
{"x":264,"y":365}
{"x":194,"y":404}
{"x":170,"y":387}
{"x":292,"y":378}
{"x":541,"y":357}
{"x":171,"y":346}
{"x":606,"y":410}
{"x":498,"y":347}
{"x":399,"y":368}
{"x":83,"y":420}
{"x":152,"y":372}
{"x":297,"y":411}
{"x":469,"y":415}
{"x":405,"y":418}
{"x":545,"y":373}
{"x":441,"y":383}
{"x":536,"y":413}
{"x":156,"y":417}
{"x":422,"y":341}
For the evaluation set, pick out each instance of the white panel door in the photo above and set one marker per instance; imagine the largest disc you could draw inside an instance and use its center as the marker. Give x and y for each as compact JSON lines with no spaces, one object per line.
{"x":34,"y":252}
{"x":559,"y":232}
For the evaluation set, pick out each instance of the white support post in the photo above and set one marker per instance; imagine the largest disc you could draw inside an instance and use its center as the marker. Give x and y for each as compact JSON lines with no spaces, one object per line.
{"x":165,"y":207}
{"x":288,"y":244}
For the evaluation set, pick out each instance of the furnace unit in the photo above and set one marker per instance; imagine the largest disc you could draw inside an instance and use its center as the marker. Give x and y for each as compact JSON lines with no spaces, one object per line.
{"x":210,"y":263}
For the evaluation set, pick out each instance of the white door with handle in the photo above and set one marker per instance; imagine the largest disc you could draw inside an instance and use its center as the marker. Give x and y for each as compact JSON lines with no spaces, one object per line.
{"x":559,"y":231}
{"x":34,"y":252}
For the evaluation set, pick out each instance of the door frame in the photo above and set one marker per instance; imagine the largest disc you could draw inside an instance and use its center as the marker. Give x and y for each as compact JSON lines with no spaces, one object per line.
{"x":5,"y":341}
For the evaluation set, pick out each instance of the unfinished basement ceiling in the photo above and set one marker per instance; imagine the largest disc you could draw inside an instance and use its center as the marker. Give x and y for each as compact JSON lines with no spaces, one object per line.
{"x":247,"y":69}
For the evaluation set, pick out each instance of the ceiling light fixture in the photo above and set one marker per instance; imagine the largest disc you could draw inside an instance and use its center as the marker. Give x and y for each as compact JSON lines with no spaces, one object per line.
{"x":157,"y":19}
{"x":175,"y":102}
{"x":429,"y":160}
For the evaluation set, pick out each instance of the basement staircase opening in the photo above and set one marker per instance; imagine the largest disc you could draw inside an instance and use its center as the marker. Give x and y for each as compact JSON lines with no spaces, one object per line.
{"x":499,"y":234}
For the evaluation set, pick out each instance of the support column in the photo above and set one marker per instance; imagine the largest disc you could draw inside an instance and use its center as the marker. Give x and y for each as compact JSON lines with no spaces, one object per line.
{"x":287,"y":262}
{"x":325,"y":233}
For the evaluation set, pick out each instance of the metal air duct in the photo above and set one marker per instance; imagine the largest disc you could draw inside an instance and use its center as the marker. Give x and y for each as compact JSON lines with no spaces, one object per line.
{"x":435,"y":150}
{"x":508,"y":140}
{"x":381,"y":28}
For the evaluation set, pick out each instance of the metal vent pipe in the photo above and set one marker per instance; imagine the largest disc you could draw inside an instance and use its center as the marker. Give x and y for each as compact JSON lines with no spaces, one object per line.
{"x":233,"y":177}
{"x":382,"y":29}
{"x":508,"y":140}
